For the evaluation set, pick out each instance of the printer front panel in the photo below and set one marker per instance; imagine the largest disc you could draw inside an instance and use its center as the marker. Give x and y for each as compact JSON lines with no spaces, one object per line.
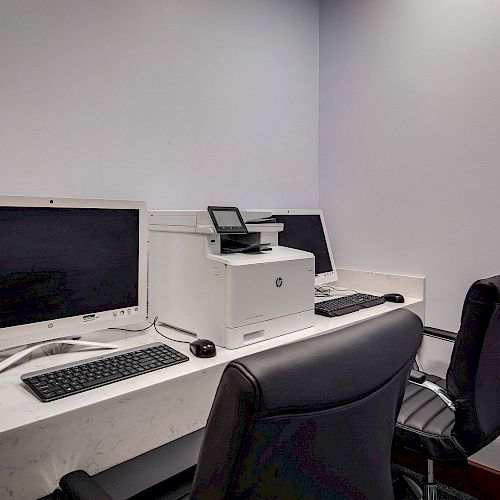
{"x":267,"y":291}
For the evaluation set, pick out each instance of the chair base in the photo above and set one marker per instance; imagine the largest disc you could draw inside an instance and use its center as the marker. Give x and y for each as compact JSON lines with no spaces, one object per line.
{"x":414,"y":488}
{"x":428,"y":491}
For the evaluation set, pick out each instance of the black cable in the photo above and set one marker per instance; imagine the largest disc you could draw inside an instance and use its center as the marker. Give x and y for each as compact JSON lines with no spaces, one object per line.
{"x":173,"y":340}
{"x":147,"y":328}
{"x":325,"y":291}
{"x":344,"y":289}
{"x":140,"y":330}
{"x":320,"y":291}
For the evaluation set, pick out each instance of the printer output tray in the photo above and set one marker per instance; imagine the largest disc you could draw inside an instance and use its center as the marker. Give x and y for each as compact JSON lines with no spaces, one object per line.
{"x":242,"y":248}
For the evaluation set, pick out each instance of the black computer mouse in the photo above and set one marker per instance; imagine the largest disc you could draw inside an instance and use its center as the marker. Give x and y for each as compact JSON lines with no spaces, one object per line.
{"x":394,"y":297}
{"x":203,"y":348}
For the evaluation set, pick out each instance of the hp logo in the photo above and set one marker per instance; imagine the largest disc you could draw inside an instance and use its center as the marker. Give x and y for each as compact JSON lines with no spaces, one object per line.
{"x":279,"y":281}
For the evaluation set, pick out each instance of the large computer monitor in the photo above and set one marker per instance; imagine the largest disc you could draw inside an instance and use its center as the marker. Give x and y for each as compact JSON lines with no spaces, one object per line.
{"x":305,"y":229}
{"x":70,"y":266}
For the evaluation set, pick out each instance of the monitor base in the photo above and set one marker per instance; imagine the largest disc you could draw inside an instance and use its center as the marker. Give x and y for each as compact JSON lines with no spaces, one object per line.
{"x":28,"y":350}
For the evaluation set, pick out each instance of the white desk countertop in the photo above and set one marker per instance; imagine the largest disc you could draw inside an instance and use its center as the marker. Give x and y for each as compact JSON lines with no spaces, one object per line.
{"x":97,"y":429}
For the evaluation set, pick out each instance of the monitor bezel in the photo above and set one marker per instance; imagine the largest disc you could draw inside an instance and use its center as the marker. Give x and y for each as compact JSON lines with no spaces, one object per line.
{"x":322,"y":278}
{"x":72,"y":326}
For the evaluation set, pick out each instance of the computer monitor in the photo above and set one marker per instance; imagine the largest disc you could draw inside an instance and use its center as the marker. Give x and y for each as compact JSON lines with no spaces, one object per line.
{"x":70,"y":266}
{"x":305,"y":229}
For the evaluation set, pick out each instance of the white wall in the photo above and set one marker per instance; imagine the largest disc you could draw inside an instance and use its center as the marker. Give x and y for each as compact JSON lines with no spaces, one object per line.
{"x":410,"y":141}
{"x":181,"y":103}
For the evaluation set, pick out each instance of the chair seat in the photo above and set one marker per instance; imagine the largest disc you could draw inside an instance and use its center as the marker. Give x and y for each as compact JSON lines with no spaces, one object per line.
{"x":425,"y":423}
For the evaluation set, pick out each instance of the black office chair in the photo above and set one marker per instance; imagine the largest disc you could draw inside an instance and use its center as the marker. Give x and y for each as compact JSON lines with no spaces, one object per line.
{"x":313,"y":419}
{"x":452,"y":419}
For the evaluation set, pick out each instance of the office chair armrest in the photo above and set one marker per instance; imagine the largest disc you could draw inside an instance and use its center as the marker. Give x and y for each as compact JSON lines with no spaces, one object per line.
{"x":440,"y":334}
{"x":416,"y":378}
{"x":78,"y":485}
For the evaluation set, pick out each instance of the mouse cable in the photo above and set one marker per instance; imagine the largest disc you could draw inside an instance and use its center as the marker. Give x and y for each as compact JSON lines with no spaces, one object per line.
{"x":164,"y":336}
{"x":140,"y":329}
{"x":153,"y":324}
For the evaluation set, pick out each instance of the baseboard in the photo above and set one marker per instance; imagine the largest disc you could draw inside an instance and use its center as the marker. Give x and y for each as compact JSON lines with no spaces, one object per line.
{"x":471,"y":478}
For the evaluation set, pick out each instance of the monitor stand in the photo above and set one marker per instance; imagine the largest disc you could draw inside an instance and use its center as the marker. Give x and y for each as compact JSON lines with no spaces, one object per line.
{"x":28,"y":350}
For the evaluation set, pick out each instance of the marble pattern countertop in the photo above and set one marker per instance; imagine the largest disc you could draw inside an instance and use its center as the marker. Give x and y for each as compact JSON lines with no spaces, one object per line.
{"x":97,"y":429}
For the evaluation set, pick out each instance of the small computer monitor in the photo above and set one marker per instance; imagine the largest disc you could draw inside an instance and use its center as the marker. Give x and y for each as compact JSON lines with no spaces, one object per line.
{"x":306,"y":230}
{"x":70,"y":266}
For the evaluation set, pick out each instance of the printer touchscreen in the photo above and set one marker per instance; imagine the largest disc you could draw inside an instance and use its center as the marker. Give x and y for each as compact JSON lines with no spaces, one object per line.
{"x":227,"y":220}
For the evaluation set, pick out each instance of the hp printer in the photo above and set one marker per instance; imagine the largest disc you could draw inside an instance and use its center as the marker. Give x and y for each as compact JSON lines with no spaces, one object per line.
{"x":218,"y":276}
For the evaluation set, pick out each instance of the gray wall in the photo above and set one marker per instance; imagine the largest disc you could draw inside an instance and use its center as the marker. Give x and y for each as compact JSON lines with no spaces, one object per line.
{"x":189,"y":102}
{"x":410,"y":141}
{"x":180,"y":103}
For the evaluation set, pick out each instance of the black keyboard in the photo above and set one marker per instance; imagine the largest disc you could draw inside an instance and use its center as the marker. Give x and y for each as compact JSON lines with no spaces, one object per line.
{"x":347,"y":304}
{"x":72,"y":378}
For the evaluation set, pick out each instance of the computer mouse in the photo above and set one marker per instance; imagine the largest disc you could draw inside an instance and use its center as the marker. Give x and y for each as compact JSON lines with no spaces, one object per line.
{"x":394,"y":297}
{"x":203,"y":348}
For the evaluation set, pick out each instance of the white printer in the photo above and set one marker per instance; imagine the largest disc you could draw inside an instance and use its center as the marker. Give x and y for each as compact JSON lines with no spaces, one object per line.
{"x":210,"y":279}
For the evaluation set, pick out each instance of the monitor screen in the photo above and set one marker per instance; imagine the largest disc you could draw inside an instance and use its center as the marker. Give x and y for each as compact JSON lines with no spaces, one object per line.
{"x":305,"y":229}
{"x":62,"y":262}
{"x":305,"y":232}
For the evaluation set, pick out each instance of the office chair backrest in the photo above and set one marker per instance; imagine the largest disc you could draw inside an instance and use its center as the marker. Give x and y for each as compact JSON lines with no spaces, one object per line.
{"x":473,"y":378}
{"x":313,"y":419}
